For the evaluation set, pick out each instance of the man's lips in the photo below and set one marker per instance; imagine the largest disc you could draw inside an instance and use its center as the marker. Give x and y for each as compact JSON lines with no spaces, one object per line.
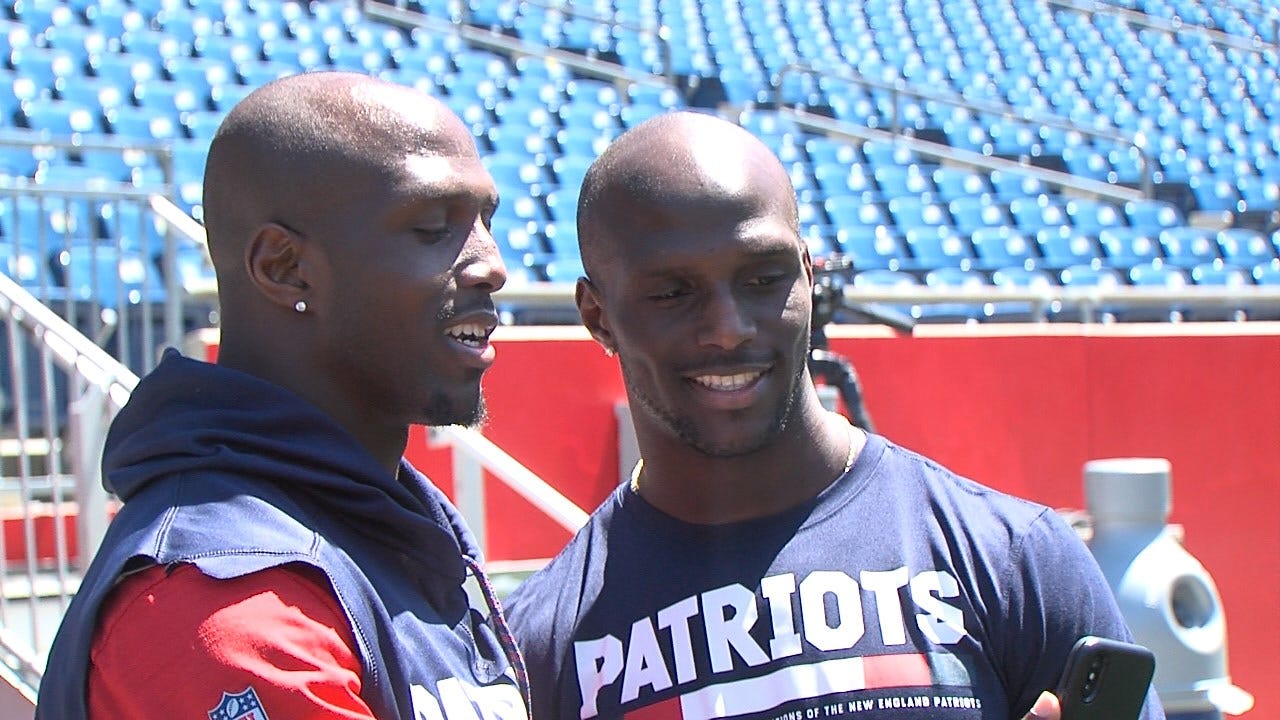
{"x":727,"y":382}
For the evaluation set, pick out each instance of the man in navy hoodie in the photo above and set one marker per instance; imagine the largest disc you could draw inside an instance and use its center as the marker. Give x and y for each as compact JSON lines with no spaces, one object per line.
{"x":275,"y":556}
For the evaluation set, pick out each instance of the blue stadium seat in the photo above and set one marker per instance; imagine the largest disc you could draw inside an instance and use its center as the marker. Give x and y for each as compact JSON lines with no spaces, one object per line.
{"x":842,"y":179}
{"x":1188,"y":246}
{"x":1267,"y":273}
{"x":1128,"y":246}
{"x":1157,"y":274}
{"x":1002,"y":246}
{"x":107,"y":277}
{"x":1153,"y":215}
{"x":885,"y":278}
{"x":59,"y":117}
{"x":846,"y":211}
{"x":908,"y":212}
{"x":164,"y":96}
{"x":1021,"y":279}
{"x":903,"y":180}
{"x":1091,"y":276}
{"x":955,"y":278}
{"x":141,"y":124}
{"x":1258,"y":192}
{"x":562,"y":240}
{"x":938,"y":247}
{"x":1032,"y":214}
{"x":1062,"y":247}
{"x":1218,"y":274}
{"x":1011,"y":185}
{"x":872,"y":247}
{"x":1244,"y":247}
{"x":973,"y":212}
{"x":1214,"y":193}
{"x":953,"y":183}
{"x":1092,"y":216}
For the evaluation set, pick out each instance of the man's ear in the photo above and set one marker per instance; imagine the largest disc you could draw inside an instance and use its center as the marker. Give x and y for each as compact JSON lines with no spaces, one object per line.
{"x":273,"y":262}
{"x":591,"y":310}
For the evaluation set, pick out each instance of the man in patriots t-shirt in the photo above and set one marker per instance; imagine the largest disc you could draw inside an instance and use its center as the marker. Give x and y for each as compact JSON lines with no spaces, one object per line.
{"x":769,"y":560}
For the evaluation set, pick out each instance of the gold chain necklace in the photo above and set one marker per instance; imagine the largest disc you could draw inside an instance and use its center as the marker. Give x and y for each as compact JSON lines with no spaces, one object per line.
{"x":848,"y":459}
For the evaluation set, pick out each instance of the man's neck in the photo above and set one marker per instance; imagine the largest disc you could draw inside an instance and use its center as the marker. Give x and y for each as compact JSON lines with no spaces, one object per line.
{"x":792,"y":468}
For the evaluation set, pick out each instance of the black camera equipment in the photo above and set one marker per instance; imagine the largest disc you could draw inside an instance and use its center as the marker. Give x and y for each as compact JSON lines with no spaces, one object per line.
{"x":830,"y":275}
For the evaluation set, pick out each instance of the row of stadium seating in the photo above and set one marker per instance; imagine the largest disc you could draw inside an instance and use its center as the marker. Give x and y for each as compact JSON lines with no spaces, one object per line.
{"x":166,"y":71}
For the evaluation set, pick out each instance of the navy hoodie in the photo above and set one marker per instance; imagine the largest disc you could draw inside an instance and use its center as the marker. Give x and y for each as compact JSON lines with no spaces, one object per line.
{"x":233,"y":474}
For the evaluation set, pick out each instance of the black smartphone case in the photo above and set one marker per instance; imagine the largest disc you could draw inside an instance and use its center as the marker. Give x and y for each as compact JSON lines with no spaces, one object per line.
{"x":1105,"y":680}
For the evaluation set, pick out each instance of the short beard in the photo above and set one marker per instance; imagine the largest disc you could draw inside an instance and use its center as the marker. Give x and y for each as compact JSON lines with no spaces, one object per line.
{"x":685,"y":431}
{"x":441,"y":411}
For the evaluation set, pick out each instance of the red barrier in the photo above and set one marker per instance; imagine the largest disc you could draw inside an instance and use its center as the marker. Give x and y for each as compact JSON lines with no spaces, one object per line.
{"x":1020,"y":408}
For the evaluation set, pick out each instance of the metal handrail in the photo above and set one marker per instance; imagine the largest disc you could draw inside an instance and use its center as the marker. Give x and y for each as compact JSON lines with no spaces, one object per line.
{"x":473,"y":452}
{"x":900,"y":88}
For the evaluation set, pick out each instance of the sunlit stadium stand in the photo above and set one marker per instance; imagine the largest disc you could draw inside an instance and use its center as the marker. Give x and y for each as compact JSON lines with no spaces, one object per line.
{"x":979,"y":161}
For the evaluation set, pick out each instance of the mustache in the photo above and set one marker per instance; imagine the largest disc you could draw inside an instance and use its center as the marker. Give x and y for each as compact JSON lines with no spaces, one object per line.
{"x":712,"y":364}
{"x":451,"y":311}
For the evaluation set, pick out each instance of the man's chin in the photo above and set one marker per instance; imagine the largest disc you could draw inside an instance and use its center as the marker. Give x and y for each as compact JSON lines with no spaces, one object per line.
{"x":443,"y":412}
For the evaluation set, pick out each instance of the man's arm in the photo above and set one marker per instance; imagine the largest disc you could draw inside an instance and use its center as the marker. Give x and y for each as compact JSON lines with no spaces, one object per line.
{"x":178,"y":643}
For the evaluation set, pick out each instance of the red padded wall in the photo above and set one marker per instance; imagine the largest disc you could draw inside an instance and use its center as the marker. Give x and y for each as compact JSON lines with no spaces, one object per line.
{"x":1020,"y":408}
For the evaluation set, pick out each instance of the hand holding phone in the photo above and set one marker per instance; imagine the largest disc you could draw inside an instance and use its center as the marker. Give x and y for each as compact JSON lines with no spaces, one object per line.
{"x":1105,"y":678}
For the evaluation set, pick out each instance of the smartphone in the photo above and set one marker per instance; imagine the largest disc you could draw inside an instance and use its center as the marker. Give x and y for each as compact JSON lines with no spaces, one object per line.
{"x":1105,"y":679}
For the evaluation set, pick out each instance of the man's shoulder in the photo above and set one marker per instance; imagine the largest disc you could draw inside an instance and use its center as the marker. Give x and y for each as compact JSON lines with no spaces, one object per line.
{"x":939,"y":478}
{"x":226,"y":525}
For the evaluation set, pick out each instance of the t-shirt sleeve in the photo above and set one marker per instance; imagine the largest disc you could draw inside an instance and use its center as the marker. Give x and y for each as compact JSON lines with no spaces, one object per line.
{"x":174,"y":642}
{"x":1059,"y":595}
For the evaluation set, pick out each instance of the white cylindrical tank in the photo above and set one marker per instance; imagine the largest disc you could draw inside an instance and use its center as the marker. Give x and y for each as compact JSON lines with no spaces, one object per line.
{"x":1165,"y":594}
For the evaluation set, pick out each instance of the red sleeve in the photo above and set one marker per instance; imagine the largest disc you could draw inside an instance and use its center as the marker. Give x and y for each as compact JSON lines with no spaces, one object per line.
{"x":171,"y":644}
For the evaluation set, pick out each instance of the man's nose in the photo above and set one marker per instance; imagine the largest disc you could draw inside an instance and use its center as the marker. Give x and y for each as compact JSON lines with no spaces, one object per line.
{"x":726,"y":321}
{"x":482,"y":264}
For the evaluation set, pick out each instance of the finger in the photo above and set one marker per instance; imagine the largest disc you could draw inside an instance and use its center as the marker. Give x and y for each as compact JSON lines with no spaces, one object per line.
{"x":1046,"y":708}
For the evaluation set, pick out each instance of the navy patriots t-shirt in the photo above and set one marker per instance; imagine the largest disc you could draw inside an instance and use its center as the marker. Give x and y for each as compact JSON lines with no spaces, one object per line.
{"x":903,"y":591}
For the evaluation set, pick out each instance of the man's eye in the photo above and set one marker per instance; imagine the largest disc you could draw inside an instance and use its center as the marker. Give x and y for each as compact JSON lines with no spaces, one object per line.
{"x":433,"y":235}
{"x":667,"y":294}
{"x":765,"y":280}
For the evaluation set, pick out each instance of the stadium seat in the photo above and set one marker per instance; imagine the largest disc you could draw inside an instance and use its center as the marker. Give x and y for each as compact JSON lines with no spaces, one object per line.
{"x":1127,"y":246}
{"x":1153,"y":215}
{"x":872,"y":247}
{"x":1245,"y":248}
{"x":847,"y":211}
{"x":885,"y":278}
{"x":955,"y":278}
{"x":1011,"y":185}
{"x":1091,"y":276}
{"x":1002,"y":246}
{"x":1062,"y":247}
{"x":1092,"y":216}
{"x":1218,"y":274}
{"x":1032,"y":214}
{"x":1021,"y":279}
{"x":938,"y":247}
{"x":1188,"y":246}
{"x":1214,"y":193}
{"x":1258,"y":193}
{"x":954,"y":183}
{"x":974,"y":212}
{"x":910,"y":212}
{"x":903,"y":180}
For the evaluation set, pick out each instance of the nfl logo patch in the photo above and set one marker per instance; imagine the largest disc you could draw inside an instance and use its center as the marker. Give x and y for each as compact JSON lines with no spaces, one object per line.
{"x":243,"y":705}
